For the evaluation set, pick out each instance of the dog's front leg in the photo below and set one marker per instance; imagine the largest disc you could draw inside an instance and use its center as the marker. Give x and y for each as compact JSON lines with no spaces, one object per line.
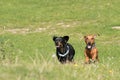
{"x":94,"y":57}
{"x":87,"y":59}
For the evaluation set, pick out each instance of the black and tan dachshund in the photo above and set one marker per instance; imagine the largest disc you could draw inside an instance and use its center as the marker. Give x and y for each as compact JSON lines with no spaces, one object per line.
{"x":64,"y":51}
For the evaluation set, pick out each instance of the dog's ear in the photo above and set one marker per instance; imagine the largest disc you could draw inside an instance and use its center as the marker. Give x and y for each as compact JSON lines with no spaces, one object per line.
{"x":54,"y":37}
{"x":66,"y":38}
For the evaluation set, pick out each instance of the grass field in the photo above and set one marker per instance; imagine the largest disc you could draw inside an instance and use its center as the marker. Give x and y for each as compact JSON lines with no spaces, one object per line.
{"x":27,"y":28}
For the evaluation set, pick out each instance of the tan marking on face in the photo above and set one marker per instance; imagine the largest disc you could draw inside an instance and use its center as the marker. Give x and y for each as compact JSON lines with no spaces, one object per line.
{"x":60,"y":44}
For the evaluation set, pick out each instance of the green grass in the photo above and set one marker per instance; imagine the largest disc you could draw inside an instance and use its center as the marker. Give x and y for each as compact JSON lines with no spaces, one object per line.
{"x":27,"y":28}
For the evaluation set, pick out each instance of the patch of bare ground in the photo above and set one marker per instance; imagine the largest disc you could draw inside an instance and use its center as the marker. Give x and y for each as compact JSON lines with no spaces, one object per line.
{"x":111,"y":42}
{"x":24,"y":30}
{"x":67,"y":25}
{"x":116,"y":27}
{"x":39,"y":30}
{"x":63,"y":25}
{"x":15,"y":31}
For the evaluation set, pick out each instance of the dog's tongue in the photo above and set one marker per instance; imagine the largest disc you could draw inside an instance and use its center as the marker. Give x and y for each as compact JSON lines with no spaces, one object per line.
{"x":89,"y":46}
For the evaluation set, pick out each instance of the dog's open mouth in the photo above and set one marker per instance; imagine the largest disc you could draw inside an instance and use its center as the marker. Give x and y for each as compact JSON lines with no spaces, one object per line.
{"x":58,"y":44}
{"x":89,"y":46}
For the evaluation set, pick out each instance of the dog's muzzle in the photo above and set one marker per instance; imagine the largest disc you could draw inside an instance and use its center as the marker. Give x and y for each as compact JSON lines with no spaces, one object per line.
{"x":58,"y":45}
{"x":89,"y":46}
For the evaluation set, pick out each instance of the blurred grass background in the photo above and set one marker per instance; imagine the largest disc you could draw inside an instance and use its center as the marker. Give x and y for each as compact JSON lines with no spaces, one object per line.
{"x":27,"y":28}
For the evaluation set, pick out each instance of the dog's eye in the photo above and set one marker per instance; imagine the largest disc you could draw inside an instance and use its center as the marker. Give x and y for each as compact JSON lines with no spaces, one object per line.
{"x":92,"y":38}
{"x":60,"y":40}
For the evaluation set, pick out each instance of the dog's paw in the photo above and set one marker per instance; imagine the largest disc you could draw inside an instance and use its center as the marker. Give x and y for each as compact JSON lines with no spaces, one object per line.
{"x":92,"y":61}
{"x":87,"y":62}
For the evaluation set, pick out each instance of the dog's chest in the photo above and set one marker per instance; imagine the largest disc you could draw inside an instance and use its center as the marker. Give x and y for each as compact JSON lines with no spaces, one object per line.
{"x":90,"y":53}
{"x":62,"y":52}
